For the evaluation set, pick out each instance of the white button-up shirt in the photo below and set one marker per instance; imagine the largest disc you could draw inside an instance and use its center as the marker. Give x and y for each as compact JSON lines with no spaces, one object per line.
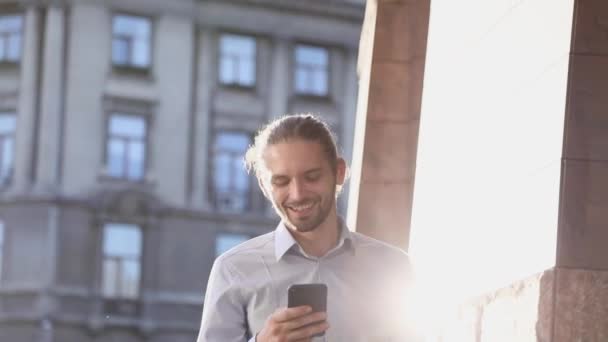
{"x":368,"y":283}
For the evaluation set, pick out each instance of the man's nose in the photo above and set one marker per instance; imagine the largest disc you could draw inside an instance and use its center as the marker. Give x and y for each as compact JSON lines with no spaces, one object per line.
{"x":296,"y":190}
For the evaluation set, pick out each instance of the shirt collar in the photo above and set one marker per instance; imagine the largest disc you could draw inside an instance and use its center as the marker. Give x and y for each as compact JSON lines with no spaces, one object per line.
{"x":284,"y":241}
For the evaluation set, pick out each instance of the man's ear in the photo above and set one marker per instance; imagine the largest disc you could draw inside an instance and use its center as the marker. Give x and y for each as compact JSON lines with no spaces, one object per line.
{"x":340,"y":171}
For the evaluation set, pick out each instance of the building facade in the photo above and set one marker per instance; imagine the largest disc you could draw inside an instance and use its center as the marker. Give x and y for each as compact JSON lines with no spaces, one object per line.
{"x":122,"y":129}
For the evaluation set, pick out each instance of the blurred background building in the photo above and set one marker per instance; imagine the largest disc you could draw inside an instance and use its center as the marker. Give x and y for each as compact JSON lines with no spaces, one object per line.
{"x":122,"y":128}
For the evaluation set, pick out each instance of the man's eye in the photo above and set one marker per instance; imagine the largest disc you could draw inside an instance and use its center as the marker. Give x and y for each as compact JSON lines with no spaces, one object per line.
{"x":279,"y":182}
{"x":313,"y":177}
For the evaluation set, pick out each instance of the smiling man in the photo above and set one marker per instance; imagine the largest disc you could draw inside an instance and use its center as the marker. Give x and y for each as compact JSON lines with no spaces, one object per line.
{"x":298,"y":168}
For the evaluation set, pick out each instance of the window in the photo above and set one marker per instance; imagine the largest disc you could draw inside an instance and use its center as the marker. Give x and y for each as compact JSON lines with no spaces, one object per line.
{"x":131,"y":41}
{"x":7,"y":145}
{"x":121,"y":261}
{"x":225,"y":241}
{"x":311,"y":75}
{"x":237,"y":60}
{"x":10,"y":38}
{"x":126,"y":146}
{"x":230,"y":180}
{"x":1,"y":246}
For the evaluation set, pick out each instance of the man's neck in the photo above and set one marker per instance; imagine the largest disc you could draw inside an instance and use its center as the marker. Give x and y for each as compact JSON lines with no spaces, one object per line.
{"x":322,"y":239}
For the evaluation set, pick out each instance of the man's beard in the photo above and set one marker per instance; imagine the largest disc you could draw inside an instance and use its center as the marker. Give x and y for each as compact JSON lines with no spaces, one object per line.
{"x":322,"y":210}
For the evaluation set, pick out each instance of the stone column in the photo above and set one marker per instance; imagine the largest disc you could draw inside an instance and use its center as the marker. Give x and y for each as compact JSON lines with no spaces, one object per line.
{"x":202,"y":120}
{"x":279,"y":79}
{"x":582,"y":256}
{"x":28,"y":97}
{"x":51,"y":97}
{"x":391,"y":63}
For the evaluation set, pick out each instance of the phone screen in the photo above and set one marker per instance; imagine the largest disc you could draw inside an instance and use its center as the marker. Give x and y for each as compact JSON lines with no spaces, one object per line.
{"x":313,"y":295}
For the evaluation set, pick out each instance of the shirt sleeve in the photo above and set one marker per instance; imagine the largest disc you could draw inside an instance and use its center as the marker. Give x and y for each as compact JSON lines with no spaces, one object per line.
{"x":224,"y":309}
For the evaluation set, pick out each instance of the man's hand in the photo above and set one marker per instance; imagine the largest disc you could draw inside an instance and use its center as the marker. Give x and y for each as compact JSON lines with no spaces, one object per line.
{"x":293,"y":324}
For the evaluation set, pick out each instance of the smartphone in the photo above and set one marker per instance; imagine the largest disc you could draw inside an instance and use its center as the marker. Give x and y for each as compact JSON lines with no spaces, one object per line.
{"x":313,"y":295}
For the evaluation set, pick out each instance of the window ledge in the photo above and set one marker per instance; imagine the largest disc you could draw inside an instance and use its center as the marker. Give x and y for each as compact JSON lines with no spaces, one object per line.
{"x":238,"y":87}
{"x":129,"y":71}
{"x":313,"y":97}
{"x":146,"y":183}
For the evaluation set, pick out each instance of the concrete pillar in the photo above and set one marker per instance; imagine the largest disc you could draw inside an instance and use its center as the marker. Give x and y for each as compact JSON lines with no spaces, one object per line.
{"x":28,"y":97}
{"x":582,"y":256}
{"x":279,"y":79}
{"x":391,"y":64}
{"x":349,"y":110}
{"x":206,"y":79}
{"x":52,"y":97}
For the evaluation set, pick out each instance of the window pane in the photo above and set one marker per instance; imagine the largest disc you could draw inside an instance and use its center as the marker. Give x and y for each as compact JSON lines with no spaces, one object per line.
{"x":10,"y":23}
{"x":1,"y":245}
{"x":7,"y":123}
{"x":231,"y":181}
{"x":237,"y":64}
{"x":233,"y":142}
{"x":319,"y":82}
{"x":227,"y":70}
{"x":131,"y":45}
{"x":225,"y":241}
{"x":109,"y":286}
{"x":120,"y":51}
{"x":6,"y":163}
{"x":10,"y":37}
{"x":302,"y":80}
{"x":116,"y":157}
{"x":122,"y":240}
{"x":141,"y":53}
{"x":310,"y":55}
{"x":223,"y":172}
{"x":311,"y":70}
{"x":130,"y":278}
{"x":247,"y":75}
{"x":127,"y":126}
{"x":136,"y":160}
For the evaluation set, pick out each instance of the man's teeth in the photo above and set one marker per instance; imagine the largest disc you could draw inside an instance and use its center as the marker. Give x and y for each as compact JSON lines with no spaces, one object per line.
{"x":301,"y":207}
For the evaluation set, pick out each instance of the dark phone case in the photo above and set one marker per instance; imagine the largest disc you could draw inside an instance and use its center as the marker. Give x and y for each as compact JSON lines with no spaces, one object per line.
{"x":313,"y":295}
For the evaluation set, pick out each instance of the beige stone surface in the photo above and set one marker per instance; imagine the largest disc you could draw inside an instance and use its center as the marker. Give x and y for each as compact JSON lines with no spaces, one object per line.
{"x":401,"y":30}
{"x":385,"y":211}
{"x":396,"y":89}
{"x":582,"y":232}
{"x":520,"y":312}
{"x":591,"y":27}
{"x":388,"y":114}
{"x":586,"y":119}
{"x":391,"y":155}
{"x":581,"y":306}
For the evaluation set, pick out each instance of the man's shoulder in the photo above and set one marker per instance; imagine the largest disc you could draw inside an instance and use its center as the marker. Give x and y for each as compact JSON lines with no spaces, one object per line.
{"x":257,"y":246}
{"x":373,"y":245}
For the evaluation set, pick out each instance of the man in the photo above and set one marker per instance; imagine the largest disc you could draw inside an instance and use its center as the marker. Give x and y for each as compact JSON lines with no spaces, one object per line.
{"x":298,"y":169}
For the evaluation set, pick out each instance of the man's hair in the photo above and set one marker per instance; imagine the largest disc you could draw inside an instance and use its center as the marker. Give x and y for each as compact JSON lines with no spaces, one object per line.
{"x":298,"y":126}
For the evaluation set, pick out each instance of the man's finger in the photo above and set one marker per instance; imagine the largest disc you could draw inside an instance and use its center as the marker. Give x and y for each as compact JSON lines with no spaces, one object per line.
{"x":301,"y":321}
{"x":307,"y":331}
{"x":287,"y":314}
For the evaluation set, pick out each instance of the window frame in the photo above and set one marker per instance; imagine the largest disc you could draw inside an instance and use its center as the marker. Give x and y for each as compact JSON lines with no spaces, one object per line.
{"x":121,"y":295}
{"x":256,"y":55}
{"x":248,"y":193}
{"x":2,"y":247}
{"x":8,"y":13}
{"x":7,"y":180}
{"x":295,"y":68}
{"x":130,"y":67}
{"x":106,"y":150}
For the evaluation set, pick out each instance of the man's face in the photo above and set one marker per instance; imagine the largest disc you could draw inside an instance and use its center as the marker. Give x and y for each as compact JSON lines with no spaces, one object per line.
{"x":300,"y":183}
